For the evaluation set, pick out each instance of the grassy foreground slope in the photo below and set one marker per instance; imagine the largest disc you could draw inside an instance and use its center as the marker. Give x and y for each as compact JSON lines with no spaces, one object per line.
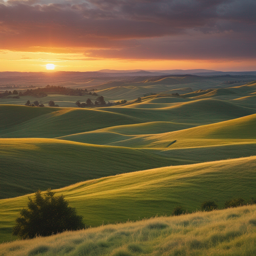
{"x":230,"y":232}
{"x":143,"y":194}
{"x":30,"y":164}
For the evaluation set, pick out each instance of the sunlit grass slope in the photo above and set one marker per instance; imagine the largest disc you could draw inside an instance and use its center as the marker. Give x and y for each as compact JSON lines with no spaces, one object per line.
{"x":198,"y":111}
{"x":236,"y":131}
{"x":31,"y":164}
{"x":122,"y":132}
{"x":230,"y":232}
{"x":53,"y":122}
{"x":151,"y":192}
{"x":240,"y":130}
{"x":139,"y":89}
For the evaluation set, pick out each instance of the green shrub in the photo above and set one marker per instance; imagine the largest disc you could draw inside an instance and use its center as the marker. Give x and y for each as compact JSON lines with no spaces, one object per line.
{"x":178,"y":211}
{"x":209,"y":206}
{"x":46,"y":215}
{"x":234,"y":203}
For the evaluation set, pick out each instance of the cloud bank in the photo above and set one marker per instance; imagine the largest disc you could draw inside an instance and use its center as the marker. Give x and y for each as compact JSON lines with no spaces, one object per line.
{"x":132,"y":29}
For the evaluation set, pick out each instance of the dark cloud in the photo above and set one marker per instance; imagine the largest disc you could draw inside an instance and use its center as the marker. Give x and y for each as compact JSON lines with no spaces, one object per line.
{"x":211,"y":47}
{"x":163,"y":29}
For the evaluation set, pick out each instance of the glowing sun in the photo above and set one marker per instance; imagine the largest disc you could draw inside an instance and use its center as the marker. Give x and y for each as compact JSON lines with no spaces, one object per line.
{"x":50,"y":66}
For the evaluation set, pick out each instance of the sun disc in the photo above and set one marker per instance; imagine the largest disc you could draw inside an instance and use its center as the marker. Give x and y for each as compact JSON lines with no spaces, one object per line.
{"x":50,"y":66}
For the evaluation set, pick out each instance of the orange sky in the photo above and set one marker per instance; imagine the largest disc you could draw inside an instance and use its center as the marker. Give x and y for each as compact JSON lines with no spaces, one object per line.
{"x":88,"y":35}
{"x":36,"y":62}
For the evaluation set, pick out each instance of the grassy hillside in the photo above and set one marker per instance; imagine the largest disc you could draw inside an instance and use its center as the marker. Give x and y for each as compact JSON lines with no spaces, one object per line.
{"x":197,"y":111}
{"x":12,"y":115}
{"x":58,"y":121}
{"x":138,"y":87}
{"x":55,"y":122}
{"x":143,"y":194}
{"x":96,"y":156}
{"x":153,"y":135}
{"x":240,"y":130}
{"x":30,"y":164}
{"x":228,"y":232}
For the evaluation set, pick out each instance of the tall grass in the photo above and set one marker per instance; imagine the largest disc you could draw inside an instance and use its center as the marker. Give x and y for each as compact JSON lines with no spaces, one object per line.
{"x":225,"y":232}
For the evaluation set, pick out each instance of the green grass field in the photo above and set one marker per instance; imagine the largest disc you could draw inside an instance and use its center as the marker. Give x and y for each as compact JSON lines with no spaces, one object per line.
{"x":132,"y":161}
{"x":228,"y":232}
{"x":143,"y":194}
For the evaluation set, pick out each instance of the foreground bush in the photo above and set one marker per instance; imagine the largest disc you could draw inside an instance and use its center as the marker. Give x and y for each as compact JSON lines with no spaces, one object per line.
{"x":209,"y":206}
{"x":234,"y":203}
{"x":46,"y":215}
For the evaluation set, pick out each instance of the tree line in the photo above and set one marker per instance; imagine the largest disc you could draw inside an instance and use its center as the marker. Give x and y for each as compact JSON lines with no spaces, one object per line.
{"x":100,"y":101}
{"x":8,"y":94}
{"x":38,"y":104}
{"x":43,"y":92}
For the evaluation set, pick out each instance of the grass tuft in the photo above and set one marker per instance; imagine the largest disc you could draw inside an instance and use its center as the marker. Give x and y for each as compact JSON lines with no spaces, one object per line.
{"x":157,"y":225}
{"x":135,"y":248}
{"x":39,"y":250}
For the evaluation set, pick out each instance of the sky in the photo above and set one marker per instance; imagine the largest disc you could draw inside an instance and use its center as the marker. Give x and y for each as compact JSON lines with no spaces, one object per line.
{"x":91,"y":35}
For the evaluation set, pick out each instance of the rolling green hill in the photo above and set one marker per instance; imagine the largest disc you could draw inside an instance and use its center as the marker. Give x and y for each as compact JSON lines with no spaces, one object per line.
{"x":235,"y":131}
{"x":143,"y":194}
{"x":135,"y":160}
{"x":57,"y":121}
{"x":54,"y":122}
{"x":30,"y":164}
{"x":228,"y":232}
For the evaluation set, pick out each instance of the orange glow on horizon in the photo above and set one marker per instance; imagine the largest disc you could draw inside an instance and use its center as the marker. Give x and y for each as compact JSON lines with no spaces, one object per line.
{"x":37,"y":61}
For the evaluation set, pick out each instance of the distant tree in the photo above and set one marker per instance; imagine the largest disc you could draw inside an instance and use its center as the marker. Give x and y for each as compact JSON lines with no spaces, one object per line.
{"x":51,"y":103}
{"x":78,"y":103}
{"x":41,"y":105}
{"x":139,"y":99}
{"x":178,"y":211}
{"x":234,"y":203}
{"x":83,"y":105}
{"x":209,"y":206}
{"x":89,"y":102}
{"x":46,"y":215}
{"x":123,"y":101}
{"x":27,"y":103}
{"x":36,"y":103}
{"x":101,"y":100}
{"x":15,"y":92}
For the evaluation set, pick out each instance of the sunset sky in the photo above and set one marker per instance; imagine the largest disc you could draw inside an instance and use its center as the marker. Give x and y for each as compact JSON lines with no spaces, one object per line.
{"x":91,"y":35}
